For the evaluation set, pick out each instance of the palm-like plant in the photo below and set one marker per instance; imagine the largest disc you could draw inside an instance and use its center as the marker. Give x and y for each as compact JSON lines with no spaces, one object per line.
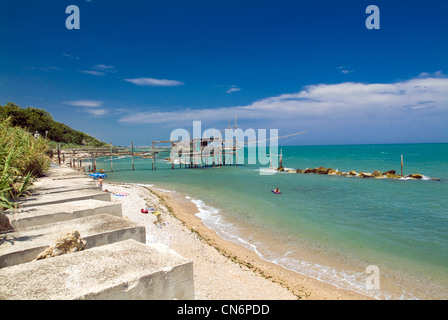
{"x":22,"y":157}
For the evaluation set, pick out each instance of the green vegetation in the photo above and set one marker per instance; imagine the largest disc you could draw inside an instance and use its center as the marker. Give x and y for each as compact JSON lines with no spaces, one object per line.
{"x":22,"y":157}
{"x":32,"y":120}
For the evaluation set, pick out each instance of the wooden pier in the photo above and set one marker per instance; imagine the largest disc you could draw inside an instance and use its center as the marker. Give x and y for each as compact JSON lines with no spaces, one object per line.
{"x":190,"y":153}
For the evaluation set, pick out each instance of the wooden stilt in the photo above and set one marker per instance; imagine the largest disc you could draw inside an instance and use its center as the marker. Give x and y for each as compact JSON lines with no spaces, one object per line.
{"x":172,"y":160}
{"x":59,"y":153}
{"x":132,"y":154}
{"x":111,"y":161}
{"x":281,"y":159}
{"x":401,"y":165}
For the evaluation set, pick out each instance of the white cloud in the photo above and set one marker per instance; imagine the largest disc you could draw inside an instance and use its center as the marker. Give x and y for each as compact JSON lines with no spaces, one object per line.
{"x":89,"y":106}
{"x":93,"y":72}
{"x":347,"y":102}
{"x":97,"y":112}
{"x":104,"y":67}
{"x":100,"y":70}
{"x":344,"y":70}
{"x":45,"y":69}
{"x":233,"y":89}
{"x":70,"y":56}
{"x":85,"y":103}
{"x":154,"y":82}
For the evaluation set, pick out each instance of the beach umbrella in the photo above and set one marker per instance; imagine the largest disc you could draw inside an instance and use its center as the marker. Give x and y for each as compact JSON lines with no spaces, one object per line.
{"x":97,"y":175}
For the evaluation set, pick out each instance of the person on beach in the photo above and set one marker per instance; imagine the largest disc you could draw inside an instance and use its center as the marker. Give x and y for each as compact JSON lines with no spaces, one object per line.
{"x":100,"y":181}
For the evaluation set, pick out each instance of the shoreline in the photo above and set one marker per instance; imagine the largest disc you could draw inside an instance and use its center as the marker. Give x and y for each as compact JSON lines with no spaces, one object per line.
{"x":277,"y":282}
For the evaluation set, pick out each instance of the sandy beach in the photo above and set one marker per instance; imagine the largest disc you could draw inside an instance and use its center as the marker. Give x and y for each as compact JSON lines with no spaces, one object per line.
{"x":222,"y":269}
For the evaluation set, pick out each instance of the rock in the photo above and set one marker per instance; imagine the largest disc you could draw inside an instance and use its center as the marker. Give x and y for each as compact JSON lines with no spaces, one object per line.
{"x":392,"y":175}
{"x":281,"y":168}
{"x":5,"y":224}
{"x":415,"y":176}
{"x":352,"y":173}
{"x":377,"y":174}
{"x":71,"y":242}
{"x":322,"y":170}
{"x":390,"y":171}
{"x":333,"y":172}
{"x":299,"y":171}
{"x":308,"y":170}
{"x":364,"y":175}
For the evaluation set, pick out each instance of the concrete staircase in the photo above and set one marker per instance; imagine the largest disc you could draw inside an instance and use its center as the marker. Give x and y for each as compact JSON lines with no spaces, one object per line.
{"x":115,"y":264}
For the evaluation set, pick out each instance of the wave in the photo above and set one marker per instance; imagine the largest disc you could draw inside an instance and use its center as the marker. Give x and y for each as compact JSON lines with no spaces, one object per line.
{"x":266,"y":171}
{"x":425,"y":178}
{"x":144,"y":185}
{"x":164,"y":190}
{"x":342,"y":279}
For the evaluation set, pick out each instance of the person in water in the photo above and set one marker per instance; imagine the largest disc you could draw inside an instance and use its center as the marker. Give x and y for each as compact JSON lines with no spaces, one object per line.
{"x":276,"y":190}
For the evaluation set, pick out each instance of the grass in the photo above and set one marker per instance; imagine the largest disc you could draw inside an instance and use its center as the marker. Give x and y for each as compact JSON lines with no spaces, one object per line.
{"x":22,"y":158}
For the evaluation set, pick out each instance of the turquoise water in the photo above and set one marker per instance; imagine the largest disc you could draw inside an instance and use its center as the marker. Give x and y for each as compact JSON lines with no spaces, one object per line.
{"x":401,"y":226}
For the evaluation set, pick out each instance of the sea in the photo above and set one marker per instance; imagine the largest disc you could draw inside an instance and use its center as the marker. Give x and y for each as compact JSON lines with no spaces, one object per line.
{"x":384,"y":238}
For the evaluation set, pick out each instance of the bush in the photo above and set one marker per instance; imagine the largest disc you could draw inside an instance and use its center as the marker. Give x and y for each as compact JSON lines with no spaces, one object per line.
{"x":22,"y":157}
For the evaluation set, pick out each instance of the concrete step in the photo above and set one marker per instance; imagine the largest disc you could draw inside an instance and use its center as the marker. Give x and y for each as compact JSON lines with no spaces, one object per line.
{"x":122,"y":270}
{"x":47,"y":185}
{"x":56,"y":181}
{"x":24,"y":245}
{"x":58,"y":171}
{"x":52,"y":213}
{"x":45,"y":199}
{"x":59,"y":189}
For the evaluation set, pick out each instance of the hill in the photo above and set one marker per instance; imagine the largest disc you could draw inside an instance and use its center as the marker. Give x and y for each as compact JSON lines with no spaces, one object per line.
{"x":32,"y":120}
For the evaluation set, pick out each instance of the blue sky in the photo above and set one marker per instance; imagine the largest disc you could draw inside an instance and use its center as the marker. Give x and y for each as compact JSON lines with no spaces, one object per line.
{"x":136,"y":70}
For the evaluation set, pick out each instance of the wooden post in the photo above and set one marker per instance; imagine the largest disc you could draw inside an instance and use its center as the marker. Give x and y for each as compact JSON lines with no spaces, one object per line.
{"x":190,"y":147}
{"x":111,"y":161}
{"x":94,"y":162}
{"x":200,"y":150}
{"x":172,"y":160}
{"x":132,"y":154}
{"x":59,"y":153}
{"x":236,"y":149}
{"x":401,"y":165}
{"x":223,"y":153}
{"x":154,"y":157}
{"x":281,"y":158}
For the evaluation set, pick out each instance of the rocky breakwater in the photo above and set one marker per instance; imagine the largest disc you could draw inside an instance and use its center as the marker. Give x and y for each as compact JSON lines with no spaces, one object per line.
{"x":376,"y":174}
